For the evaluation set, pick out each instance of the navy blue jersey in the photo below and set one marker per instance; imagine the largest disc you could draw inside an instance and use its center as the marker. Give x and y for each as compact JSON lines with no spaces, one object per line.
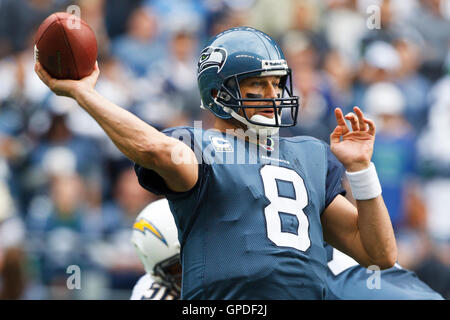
{"x":347,"y":280}
{"x":250,"y":228}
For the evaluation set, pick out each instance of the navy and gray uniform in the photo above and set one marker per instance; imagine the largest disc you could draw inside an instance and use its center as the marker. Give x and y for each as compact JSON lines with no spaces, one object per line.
{"x":347,"y":280}
{"x":252,"y":230}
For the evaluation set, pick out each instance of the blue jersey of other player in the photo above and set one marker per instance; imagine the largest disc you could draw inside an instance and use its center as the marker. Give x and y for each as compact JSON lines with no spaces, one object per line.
{"x":347,"y":280}
{"x":252,"y":230}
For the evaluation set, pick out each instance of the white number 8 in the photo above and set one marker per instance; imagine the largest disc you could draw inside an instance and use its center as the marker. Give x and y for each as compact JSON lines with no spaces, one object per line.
{"x":279,"y":204}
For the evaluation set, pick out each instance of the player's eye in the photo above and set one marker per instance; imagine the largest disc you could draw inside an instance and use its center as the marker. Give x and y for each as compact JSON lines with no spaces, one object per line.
{"x":256,"y":84}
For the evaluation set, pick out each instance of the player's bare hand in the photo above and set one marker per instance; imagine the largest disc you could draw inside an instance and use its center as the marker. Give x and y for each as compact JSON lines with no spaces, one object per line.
{"x":68,"y":88}
{"x":355,"y":149}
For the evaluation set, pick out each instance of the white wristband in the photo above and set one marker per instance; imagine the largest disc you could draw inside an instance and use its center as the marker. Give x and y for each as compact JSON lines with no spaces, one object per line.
{"x":365,"y":184}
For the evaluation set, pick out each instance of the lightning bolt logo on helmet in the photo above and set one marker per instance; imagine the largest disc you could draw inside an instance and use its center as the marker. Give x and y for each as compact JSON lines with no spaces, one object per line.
{"x":142,"y":225}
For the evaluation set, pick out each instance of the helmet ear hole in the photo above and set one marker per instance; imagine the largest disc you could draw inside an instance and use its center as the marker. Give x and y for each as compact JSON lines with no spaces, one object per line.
{"x":233,"y":87}
{"x":231,"y":83}
{"x":214,"y":93}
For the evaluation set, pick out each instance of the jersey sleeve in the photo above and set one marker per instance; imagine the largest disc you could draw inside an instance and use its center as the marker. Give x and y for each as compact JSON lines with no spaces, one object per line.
{"x":153,"y":182}
{"x":335,"y":173}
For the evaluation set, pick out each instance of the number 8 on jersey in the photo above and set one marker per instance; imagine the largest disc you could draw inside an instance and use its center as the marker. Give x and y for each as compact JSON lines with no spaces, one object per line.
{"x":292,"y":206}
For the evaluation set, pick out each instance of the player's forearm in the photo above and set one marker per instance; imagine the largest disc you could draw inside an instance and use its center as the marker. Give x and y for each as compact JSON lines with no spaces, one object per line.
{"x":142,"y":143}
{"x":376,"y":232}
{"x":132,"y":136}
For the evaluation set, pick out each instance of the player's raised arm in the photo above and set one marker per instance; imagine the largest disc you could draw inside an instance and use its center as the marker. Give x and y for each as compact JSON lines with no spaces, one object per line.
{"x":364,"y":232}
{"x":136,"y":139}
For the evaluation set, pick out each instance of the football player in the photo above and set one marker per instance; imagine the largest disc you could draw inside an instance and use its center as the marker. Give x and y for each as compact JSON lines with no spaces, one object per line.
{"x":252,"y":230}
{"x":155,"y":238}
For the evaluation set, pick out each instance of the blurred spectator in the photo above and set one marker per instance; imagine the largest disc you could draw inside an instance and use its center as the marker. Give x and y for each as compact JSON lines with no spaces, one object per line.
{"x":140,"y":49}
{"x":225,"y":19}
{"x":116,"y":253}
{"x":394,"y":151}
{"x":408,"y":202}
{"x":344,"y":28}
{"x":20,"y":97}
{"x":391,"y":22}
{"x":434,"y":148}
{"x":170,"y":97}
{"x":12,"y":255}
{"x":435,"y":271}
{"x":128,"y":199}
{"x":160,"y":110}
{"x":429,"y":259}
{"x":434,"y":156}
{"x":12,"y":274}
{"x":20,"y":93}
{"x":413,"y":85}
{"x":224,"y":14}
{"x":115,"y":82}
{"x":30,"y":89}
{"x":180,"y":74}
{"x":275,"y":18}
{"x":18,"y":17}
{"x":315,"y":112}
{"x":58,"y":231}
{"x":92,"y":12}
{"x":381,"y":61}
{"x":379,"y":64}
{"x":59,"y":146}
{"x":175,"y":15}
{"x":117,"y":13}
{"x":430,"y":21}
{"x":305,"y":19}
{"x":339,"y":77}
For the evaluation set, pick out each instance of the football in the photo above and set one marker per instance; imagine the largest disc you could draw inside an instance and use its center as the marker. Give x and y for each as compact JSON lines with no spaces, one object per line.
{"x":66,"y":46}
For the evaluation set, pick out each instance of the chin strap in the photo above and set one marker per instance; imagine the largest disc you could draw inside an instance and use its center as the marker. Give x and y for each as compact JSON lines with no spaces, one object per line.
{"x":257,"y":118}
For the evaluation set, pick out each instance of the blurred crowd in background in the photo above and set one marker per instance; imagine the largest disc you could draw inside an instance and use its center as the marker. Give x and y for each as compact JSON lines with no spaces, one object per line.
{"x":69,"y":197}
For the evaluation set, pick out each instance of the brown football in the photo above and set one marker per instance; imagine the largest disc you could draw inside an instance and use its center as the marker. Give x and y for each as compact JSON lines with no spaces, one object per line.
{"x":66,"y":46}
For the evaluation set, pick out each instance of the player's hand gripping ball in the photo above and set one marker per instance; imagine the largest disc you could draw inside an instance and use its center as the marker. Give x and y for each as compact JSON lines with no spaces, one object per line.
{"x":66,"y":46}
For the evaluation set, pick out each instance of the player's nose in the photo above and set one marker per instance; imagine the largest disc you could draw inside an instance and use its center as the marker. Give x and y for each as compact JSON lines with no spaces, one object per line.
{"x":271,"y":92}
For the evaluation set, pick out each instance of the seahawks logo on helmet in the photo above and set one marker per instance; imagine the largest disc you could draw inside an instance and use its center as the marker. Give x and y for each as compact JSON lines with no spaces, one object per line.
{"x":212,"y":57}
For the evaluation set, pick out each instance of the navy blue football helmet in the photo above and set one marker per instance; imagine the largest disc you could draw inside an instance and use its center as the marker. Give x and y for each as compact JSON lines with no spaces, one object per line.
{"x":236,"y":54}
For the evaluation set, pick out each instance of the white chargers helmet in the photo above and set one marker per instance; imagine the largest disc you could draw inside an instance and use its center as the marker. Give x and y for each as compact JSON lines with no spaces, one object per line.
{"x":155,"y":237}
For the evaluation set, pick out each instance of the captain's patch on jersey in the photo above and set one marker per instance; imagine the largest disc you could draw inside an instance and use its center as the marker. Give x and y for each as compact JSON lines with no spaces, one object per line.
{"x":221,"y":144}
